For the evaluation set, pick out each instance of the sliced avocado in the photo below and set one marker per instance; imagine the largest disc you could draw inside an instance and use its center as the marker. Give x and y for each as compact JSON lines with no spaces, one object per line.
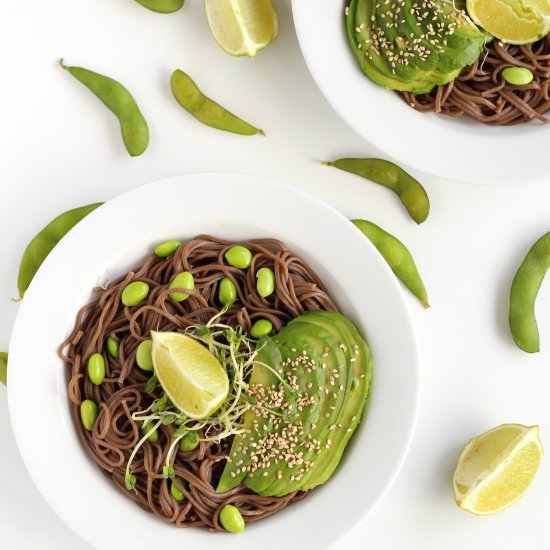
{"x":411,"y":46}
{"x":359,"y":359}
{"x":315,"y":439}
{"x":235,"y":470}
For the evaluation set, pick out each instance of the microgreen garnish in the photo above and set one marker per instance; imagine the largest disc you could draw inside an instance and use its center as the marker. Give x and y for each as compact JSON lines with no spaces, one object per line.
{"x":151,"y":384}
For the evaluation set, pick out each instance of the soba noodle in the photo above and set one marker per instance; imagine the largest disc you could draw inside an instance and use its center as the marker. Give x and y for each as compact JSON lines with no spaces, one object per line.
{"x":116,"y":433}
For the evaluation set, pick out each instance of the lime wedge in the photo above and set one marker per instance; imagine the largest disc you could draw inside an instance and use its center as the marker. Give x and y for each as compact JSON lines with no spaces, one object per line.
{"x":242,"y":27}
{"x":193,"y":379}
{"x":495,"y":468}
{"x":512,"y":21}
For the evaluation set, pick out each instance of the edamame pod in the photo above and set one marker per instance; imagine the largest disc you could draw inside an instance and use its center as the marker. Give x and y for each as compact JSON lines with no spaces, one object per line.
{"x":113,"y":347}
{"x":397,"y":256}
{"x":3,"y":367}
{"x":265,"y":282}
{"x":524,"y":290}
{"x":88,"y":414}
{"x":135,"y":132}
{"x":386,"y":173}
{"x":227,"y":292}
{"x":134,"y":293}
{"x":189,"y":442}
{"x":144,"y":355}
{"x":162,"y":6}
{"x":204,"y":109}
{"x":41,"y":245}
{"x":232,"y":519}
{"x":96,"y":368}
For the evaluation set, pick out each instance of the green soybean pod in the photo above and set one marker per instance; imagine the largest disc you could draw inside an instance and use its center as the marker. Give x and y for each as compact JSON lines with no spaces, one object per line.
{"x":386,"y":173}
{"x":3,"y":367}
{"x":262,"y":327}
{"x":227,"y":292}
{"x":134,"y":293}
{"x":175,"y":491}
{"x":183,"y":280}
{"x":153,"y":436}
{"x":135,"y":132}
{"x":523,"y":293}
{"x":265,"y":282}
{"x":113,"y":347}
{"x":231,"y":519}
{"x":162,"y":6}
{"x":238,"y":256}
{"x":206,"y":110}
{"x":163,"y":250}
{"x":144,"y":355}
{"x":397,"y":256}
{"x":45,"y":241}
{"x":189,"y":442}
{"x":96,"y":368}
{"x":88,"y":414}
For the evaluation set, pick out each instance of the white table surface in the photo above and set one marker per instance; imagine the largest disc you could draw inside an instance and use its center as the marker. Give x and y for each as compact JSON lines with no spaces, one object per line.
{"x":59,"y":148}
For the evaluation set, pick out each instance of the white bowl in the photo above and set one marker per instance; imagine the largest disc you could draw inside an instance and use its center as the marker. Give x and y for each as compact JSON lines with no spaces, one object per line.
{"x":116,"y":238}
{"x":458,"y":149}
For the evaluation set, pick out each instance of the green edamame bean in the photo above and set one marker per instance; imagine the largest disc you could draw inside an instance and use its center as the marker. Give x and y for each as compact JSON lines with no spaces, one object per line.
{"x":96,"y":368}
{"x":162,"y":6}
{"x":113,"y":347}
{"x":189,"y":442}
{"x":386,"y":173}
{"x":265,"y":282}
{"x":262,"y":327}
{"x":182,"y":280}
{"x":166,"y":249}
{"x":397,"y":256}
{"x":88,"y":414}
{"x":3,"y":367}
{"x":517,"y":76}
{"x":227,"y":292}
{"x":134,"y":293}
{"x":523,"y":293}
{"x":175,"y":491}
{"x":153,"y":436}
{"x":231,"y":519}
{"x":144,"y":356}
{"x":238,"y":256}
{"x":204,"y":109}
{"x":135,"y":132}
{"x":45,"y":241}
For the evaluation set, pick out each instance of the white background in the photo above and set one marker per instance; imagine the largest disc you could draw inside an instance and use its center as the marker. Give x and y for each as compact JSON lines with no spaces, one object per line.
{"x":59,"y":148}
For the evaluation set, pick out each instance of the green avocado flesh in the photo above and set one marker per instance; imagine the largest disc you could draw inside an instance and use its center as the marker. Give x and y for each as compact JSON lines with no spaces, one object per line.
{"x":412,"y":45}
{"x":310,"y":383}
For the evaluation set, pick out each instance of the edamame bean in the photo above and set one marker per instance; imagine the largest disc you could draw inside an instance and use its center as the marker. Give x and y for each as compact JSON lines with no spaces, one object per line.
{"x":189,"y":442}
{"x":265,"y":282}
{"x":88,"y":414}
{"x":262,"y":327}
{"x":238,"y":256}
{"x":144,"y":356}
{"x":517,"y":76}
{"x":204,"y":109}
{"x":153,"y":436}
{"x":3,"y":367}
{"x":45,"y":241}
{"x":231,"y":519}
{"x":182,"y":280}
{"x":227,"y":292}
{"x":166,"y":249}
{"x":96,"y":368}
{"x":162,"y":6}
{"x":134,"y":293}
{"x":386,"y":173}
{"x":523,"y":293}
{"x":113,"y":347}
{"x":397,"y":256}
{"x":135,"y":132}
{"x":175,"y":491}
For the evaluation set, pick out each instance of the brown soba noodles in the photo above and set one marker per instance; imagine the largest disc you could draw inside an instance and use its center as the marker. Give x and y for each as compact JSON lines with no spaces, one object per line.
{"x":122,"y":393}
{"x":481,"y":91}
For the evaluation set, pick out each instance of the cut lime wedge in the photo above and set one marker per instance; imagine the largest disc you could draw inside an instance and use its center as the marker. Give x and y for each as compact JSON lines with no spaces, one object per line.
{"x":193,"y":379}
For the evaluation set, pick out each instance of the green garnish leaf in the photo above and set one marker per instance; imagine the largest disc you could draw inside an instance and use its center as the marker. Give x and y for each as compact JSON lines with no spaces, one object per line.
{"x":182,"y":430}
{"x":160,"y":404}
{"x":169,"y":419}
{"x":168,"y":472}
{"x":151,"y":384}
{"x":130,"y":481}
{"x":201,"y":330}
